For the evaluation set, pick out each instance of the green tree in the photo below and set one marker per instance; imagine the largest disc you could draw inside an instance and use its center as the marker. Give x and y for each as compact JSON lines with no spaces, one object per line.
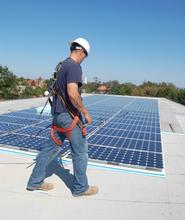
{"x":181,"y":96}
{"x":8,"y":82}
{"x":113,"y":85}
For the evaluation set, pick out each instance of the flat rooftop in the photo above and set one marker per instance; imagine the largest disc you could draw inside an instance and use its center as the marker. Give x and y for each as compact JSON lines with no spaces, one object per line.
{"x":123,"y":195}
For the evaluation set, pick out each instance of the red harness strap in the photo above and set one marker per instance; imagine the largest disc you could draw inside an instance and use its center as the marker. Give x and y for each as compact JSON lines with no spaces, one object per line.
{"x":67,"y":131}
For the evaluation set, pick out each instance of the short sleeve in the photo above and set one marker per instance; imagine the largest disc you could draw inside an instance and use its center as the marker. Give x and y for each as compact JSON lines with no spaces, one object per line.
{"x":74,"y":74}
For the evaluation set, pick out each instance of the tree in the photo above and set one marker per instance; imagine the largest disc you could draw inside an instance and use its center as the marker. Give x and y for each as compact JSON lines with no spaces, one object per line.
{"x":113,"y":86}
{"x":8,"y":82}
{"x":96,"y":80}
{"x":181,"y":96}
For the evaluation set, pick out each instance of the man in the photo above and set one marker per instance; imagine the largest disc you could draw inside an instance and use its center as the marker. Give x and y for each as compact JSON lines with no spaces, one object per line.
{"x":68,"y":82}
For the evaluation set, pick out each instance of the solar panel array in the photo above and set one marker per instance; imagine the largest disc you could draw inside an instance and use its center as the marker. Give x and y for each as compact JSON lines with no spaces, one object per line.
{"x":131,"y":137}
{"x":125,"y":131}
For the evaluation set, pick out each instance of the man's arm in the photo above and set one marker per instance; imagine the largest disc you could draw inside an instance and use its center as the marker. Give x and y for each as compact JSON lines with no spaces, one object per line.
{"x":75,"y":98}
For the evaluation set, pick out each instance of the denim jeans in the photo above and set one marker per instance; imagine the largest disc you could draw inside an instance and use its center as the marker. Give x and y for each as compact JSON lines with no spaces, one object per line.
{"x":79,"y":153}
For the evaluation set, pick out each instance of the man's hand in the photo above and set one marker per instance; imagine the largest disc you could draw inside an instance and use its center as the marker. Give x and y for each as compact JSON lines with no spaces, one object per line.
{"x":88,"y":118}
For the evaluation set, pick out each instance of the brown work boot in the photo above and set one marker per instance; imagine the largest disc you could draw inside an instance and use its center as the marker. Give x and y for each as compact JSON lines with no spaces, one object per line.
{"x":92,"y":190}
{"x":43,"y":186}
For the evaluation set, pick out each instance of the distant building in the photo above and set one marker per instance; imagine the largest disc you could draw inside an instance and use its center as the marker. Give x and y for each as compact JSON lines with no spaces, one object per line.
{"x":29,"y":82}
{"x":102,"y":89}
{"x":35,"y":82}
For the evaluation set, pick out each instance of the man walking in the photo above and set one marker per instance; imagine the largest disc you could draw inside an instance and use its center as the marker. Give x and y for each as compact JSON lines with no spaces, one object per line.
{"x":68,"y":83}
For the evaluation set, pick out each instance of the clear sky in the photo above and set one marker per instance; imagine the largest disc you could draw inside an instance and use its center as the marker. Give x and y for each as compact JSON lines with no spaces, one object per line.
{"x":131,"y":40}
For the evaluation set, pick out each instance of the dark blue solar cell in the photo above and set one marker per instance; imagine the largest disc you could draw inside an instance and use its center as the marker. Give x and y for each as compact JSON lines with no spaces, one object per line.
{"x":133,"y":143}
{"x":145,"y":145}
{"x":151,"y":156}
{"x":152,"y":146}
{"x":119,"y":143}
{"x":135,"y":156}
{"x":142,"y":162}
{"x":109,"y":132}
{"x":126,"y":143}
{"x":120,"y":133}
{"x":90,"y":129}
{"x":111,"y":141}
{"x":107,"y":141}
{"x":125,"y":134}
{"x":104,"y":155}
{"x":141,"y":128}
{"x":134,"y":162}
{"x":139,"y":144}
{"x":152,"y":137}
{"x":150,"y":164}
{"x":114,"y":141}
{"x":102,"y":131}
{"x":130,"y":135}
{"x":158,"y":137}
{"x":129,"y":127}
{"x":147,"y":136}
{"x":136,"y":135}
{"x":153,"y":124}
{"x":141,"y":135}
{"x":143,"y":155}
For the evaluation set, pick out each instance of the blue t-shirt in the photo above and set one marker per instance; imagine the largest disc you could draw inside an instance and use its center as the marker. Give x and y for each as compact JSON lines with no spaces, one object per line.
{"x":70,"y":72}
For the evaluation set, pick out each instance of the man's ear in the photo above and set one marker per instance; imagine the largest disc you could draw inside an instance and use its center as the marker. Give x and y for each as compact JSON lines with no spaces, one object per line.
{"x":81,"y":52}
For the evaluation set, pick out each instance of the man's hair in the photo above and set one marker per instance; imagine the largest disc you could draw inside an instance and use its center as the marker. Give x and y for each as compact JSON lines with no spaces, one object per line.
{"x":75,"y":46}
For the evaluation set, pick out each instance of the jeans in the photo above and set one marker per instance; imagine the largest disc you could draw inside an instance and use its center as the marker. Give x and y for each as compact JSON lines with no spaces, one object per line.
{"x":79,"y":153}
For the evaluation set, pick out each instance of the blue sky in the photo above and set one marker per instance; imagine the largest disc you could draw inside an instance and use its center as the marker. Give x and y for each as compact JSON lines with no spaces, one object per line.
{"x":131,"y":40}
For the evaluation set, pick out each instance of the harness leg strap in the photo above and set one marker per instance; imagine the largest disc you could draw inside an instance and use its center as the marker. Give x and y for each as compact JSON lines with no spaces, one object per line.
{"x":67,"y":131}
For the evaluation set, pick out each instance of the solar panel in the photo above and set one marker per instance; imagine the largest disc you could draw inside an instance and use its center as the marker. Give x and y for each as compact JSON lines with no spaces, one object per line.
{"x":7,"y":127}
{"x":126,"y":157}
{"x":27,"y":142}
{"x":32,"y":130}
{"x":26,"y":115}
{"x":17,"y":120}
{"x":125,"y":131}
{"x":131,"y":137}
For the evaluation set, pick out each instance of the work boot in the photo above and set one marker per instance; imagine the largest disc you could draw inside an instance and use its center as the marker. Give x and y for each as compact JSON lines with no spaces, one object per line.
{"x":92,"y":190}
{"x":43,"y":186}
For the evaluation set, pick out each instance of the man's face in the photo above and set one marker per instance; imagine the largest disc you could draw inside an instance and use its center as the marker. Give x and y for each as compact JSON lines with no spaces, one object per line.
{"x":82,"y":56}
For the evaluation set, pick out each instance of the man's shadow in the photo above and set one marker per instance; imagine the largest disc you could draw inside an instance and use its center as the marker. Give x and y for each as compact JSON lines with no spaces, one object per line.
{"x":58,"y":169}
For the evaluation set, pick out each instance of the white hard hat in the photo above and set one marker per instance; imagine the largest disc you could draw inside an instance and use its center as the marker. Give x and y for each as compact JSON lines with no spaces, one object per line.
{"x":83,"y":43}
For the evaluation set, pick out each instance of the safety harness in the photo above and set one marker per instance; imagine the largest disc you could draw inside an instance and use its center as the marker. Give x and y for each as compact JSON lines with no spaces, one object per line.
{"x":67,"y":131}
{"x":75,"y":118}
